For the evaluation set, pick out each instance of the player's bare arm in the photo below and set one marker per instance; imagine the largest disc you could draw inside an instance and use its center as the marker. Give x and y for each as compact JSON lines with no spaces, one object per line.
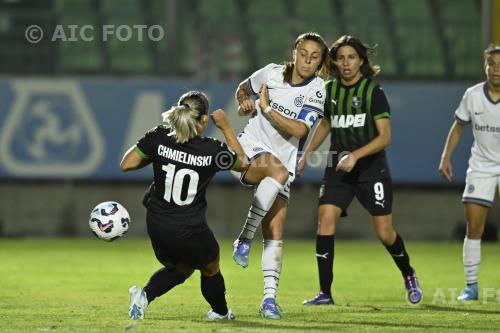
{"x":220,"y":120}
{"x":320,"y":133}
{"x":445,"y":167}
{"x":243,"y":95}
{"x":132,"y":160}
{"x":379,"y":143}
{"x":291,"y":127}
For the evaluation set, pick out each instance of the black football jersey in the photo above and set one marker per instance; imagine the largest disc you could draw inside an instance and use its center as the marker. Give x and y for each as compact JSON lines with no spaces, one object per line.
{"x":353,"y":111}
{"x":182,"y":171}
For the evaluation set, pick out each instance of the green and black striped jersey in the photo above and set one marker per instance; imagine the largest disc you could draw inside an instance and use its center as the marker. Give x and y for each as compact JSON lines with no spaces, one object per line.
{"x":352,"y":111}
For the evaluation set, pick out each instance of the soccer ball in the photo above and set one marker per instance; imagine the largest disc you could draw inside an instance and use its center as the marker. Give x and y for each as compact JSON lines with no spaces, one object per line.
{"x":109,"y":220}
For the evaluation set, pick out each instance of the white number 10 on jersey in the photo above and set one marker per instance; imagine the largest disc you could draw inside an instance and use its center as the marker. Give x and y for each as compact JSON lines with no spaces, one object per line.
{"x":174,"y":182}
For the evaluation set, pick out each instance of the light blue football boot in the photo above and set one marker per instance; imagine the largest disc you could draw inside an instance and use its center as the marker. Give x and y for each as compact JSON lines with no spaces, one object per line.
{"x":214,"y":316}
{"x":241,"y":251}
{"x":470,"y":293}
{"x":269,"y":309}
{"x":138,"y":303}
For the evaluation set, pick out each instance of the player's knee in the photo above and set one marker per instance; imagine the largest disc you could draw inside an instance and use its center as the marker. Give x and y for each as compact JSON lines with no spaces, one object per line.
{"x":386,"y":235}
{"x":211,"y":269}
{"x":326,"y":224}
{"x":328,"y":217}
{"x":280,"y":173}
{"x":276,"y":170}
{"x":474,"y":230}
{"x":273,"y":231}
{"x":184,"y":269}
{"x":209,"y":272}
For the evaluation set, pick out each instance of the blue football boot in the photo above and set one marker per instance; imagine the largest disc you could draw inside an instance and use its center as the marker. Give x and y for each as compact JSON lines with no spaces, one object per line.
{"x":138,"y":303}
{"x":414,"y":292}
{"x":241,"y":251}
{"x":269,"y":309}
{"x":470,"y":293}
{"x":320,"y":299}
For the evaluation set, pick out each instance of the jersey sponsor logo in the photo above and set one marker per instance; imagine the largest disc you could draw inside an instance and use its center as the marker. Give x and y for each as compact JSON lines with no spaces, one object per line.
{"x":487,"y":128}
{"x":350,"y":120}
{"x":315,"y":100}
{"x":319,"y":94}
{"x":282,"y":109}
{"x":298,"y":101}
{"x":356,"y":102}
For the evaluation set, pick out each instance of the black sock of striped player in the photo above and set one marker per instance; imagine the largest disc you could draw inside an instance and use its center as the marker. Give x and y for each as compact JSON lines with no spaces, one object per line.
{"x":162,"y":281}
{"x":214,"y":291}
{"x":324,"y":256}
{"x":401,"y":258}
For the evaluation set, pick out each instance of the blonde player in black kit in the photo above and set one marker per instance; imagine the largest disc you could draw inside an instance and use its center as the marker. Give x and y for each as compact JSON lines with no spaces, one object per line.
{"x":357,"y":117}
{"x":184,"y":162}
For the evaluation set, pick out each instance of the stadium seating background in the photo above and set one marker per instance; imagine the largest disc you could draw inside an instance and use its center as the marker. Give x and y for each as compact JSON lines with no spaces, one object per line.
{"x":229,"y":39}
{"x":429,"y":50}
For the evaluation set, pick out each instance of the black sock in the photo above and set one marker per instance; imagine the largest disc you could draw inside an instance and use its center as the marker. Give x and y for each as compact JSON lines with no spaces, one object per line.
{"x":162,"y":281}
{"x":214,"y":291}
{"x":401,"y":258}
{"x":324,"y":256}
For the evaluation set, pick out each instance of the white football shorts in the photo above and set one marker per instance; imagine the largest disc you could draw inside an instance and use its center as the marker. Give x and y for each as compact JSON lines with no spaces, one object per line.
{"x":253,"y":149}
{"x":480,"y":188}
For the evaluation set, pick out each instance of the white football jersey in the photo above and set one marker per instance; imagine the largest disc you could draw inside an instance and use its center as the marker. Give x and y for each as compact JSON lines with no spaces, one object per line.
{"x":303,"y":102}
{"x":483,"y":114}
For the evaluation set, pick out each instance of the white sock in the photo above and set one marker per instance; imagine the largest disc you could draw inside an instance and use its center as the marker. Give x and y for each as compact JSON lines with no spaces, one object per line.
{"x":272,"y":257}
{"x":263,"y":199}
{"x":472,"y":259}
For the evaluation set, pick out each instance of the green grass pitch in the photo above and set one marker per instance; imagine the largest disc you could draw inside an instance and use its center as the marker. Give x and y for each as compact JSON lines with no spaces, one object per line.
{"x":81,"y":285}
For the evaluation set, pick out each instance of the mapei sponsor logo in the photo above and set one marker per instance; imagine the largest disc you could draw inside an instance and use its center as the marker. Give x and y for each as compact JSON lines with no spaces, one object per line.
{"x":282,"y":109}
{"x":350,"y":120}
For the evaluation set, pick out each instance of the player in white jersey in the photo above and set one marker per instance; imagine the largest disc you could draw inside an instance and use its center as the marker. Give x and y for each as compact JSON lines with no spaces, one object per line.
{"x":302,"y":103}
{"x":290,"y":100}
{"x":480,"y":106}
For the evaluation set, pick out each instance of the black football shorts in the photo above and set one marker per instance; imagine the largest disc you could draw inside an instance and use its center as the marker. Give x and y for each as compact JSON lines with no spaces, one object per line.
{"x":375,"y":196}
{"x":172,"y":244}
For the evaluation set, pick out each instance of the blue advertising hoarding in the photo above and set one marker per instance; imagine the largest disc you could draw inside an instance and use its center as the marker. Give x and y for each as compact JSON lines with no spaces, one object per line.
{"x":79,"y":128}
